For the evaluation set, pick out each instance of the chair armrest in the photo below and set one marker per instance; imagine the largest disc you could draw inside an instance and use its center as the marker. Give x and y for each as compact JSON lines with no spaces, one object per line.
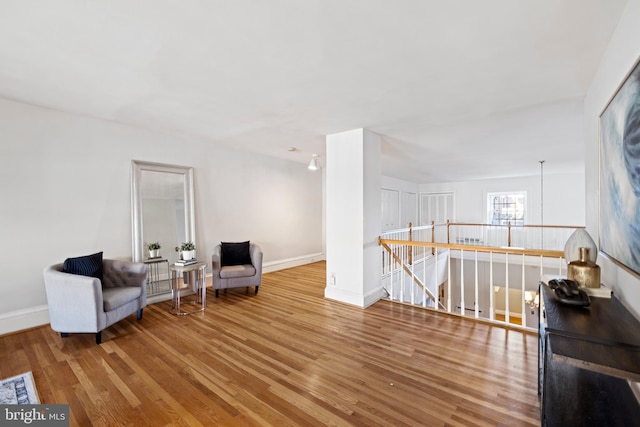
{"x":216,"y":260}
{"x":256,"y":258}
{"x":74,"y":301}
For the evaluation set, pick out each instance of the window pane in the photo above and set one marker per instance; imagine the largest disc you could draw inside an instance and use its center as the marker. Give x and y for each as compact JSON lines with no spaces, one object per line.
{"x":506,"y":208}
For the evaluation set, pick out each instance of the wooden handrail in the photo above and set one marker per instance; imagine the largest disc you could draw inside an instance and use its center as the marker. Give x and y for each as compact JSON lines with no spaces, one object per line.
{"x":516,"y":226}
{"x":509,"y":226}
{"x":505,"y":250}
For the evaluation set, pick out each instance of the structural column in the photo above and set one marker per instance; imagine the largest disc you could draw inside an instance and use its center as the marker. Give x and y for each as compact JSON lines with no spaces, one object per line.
{"x":353,"y":217}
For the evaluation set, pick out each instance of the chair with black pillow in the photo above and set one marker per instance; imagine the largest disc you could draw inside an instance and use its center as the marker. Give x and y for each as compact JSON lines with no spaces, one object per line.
{"x":88,"y":294}
{"x":236,"y":265}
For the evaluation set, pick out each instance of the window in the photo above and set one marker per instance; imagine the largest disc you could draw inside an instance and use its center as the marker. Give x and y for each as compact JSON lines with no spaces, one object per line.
{"x":505,"y":208}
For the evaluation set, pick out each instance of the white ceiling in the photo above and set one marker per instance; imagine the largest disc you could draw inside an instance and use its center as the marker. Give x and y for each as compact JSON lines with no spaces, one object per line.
{"x":460,"y":90}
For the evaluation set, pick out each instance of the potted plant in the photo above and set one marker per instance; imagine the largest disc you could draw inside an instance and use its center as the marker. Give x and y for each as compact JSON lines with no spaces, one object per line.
{"x":154,"y":249}
{"x":188,"y":250}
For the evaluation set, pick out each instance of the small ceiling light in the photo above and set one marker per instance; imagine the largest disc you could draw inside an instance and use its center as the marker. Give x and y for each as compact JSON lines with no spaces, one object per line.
{"x":291,"y":149}
{"x":314,"y":165}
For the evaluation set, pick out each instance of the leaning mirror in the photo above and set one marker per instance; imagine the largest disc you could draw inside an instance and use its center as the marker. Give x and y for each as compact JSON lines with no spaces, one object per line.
{"x":162,"y":212}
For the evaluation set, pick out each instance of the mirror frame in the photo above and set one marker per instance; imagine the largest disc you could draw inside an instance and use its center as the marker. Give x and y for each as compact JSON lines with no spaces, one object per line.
{"x":137,"y":167}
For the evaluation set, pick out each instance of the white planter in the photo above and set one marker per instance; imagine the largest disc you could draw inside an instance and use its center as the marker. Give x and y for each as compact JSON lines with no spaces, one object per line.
{"x":154,"y":253}
{"x":187,"y":255}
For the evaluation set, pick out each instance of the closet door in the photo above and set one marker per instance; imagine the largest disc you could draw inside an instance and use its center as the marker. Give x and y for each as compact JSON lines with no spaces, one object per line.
{"x":390,"y":209}
{"x":437,"y":207}
{"x":409,"y":210}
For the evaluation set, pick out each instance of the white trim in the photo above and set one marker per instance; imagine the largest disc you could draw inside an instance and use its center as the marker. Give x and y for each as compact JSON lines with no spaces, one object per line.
{"x":281,"y":264}
{"x":373,"y":296}
{"x":166,"y":296}
{"x":354,"y":298}
{"x":25,"y":318}
{"x":345,"y":296}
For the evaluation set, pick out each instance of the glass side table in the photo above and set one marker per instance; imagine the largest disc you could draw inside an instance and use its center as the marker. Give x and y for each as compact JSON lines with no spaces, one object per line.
{"x":153,"y":274}
{"x":194,"y":277}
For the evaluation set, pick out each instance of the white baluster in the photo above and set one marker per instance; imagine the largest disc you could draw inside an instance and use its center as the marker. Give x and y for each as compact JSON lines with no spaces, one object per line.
{"x":462,"y":282}
{"x":477,"y":313}
{"x":506,"y":294}
{"x":491,"y":292}
{"x":524,"y":315}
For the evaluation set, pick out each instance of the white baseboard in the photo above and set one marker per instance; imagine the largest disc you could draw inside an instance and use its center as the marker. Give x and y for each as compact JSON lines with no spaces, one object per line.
{"x":353,"y":298}
{"x":347,"y":297}
{"x":271,"y":266}
{"x":24,"y":319}
{"x":374,"y":296}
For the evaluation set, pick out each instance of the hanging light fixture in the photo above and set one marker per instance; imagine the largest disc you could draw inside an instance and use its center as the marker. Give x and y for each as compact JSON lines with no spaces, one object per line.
{"x":314,"y":165}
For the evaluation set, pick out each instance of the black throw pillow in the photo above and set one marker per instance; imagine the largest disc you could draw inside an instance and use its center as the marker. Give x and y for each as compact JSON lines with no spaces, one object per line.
{"x":89,"y":265}
{"x":235,"y":253}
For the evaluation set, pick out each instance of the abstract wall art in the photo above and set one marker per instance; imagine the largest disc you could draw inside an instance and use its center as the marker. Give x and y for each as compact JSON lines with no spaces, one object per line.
{"x":619,"y":220}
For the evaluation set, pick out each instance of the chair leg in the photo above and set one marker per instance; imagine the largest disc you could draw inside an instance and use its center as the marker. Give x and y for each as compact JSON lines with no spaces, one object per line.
{"x":139,"y":314}
{"x":99,"y":337}
{"x":257,"y":290}
{"x":64,"y":334}
{"x":217,"y":292}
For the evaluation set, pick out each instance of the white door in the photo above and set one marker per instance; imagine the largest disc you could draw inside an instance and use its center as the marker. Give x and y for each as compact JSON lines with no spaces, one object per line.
{"x":390,"y":209}
{"x":437,"y":207}
{"x":409,"y":210}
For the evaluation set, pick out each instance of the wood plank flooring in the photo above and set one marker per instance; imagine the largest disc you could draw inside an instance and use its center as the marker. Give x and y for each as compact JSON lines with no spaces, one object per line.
{"x":285,"y":357}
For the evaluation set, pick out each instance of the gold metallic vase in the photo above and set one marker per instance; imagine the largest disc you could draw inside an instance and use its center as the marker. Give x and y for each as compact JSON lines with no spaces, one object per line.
{"x":584,"y":272}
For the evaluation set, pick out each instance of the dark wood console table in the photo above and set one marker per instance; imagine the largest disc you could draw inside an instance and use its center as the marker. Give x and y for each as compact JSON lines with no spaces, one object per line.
{"x":587,"y":359}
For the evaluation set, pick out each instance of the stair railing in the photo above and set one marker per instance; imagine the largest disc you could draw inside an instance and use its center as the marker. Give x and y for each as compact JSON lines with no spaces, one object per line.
{"x":468,"y":278}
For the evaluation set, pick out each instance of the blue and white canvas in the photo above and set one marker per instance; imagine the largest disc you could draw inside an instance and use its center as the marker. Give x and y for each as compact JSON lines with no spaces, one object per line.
{"x":620,"y":175}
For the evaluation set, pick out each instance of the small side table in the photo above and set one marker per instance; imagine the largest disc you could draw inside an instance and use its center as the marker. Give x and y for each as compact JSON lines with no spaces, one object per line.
{"x":196,"y":277}
{"x":153,"y":273}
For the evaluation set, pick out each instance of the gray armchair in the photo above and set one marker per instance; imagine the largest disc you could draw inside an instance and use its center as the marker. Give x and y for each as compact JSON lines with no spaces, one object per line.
{"x":237,"y":276}
{"x":83,"y":304}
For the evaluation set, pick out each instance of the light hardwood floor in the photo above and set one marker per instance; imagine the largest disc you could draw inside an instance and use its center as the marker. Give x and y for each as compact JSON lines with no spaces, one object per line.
{"x":285,"y":357}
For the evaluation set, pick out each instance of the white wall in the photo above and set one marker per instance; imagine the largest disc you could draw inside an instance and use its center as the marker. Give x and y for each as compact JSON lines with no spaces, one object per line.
{"x":65,"y":191}
{"x":564,"y":197}
{"x":353,"y":217}
{"x":623,"y":51}
{"x":372,"y":282}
